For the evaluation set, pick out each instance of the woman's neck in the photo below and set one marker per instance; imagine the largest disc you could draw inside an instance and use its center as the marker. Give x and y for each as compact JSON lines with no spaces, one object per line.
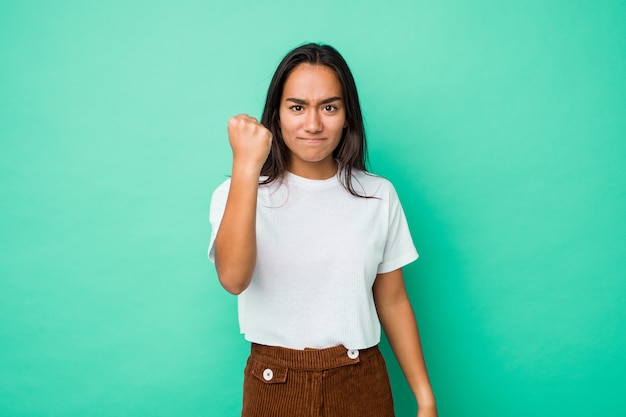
{"x":314,"y":170}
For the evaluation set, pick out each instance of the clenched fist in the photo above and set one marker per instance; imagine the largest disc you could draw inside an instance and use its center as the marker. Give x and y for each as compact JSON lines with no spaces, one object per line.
{"x":250,"y":141}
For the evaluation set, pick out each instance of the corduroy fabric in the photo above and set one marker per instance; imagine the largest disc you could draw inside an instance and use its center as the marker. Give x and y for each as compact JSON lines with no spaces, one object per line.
{"x":332,"y":382}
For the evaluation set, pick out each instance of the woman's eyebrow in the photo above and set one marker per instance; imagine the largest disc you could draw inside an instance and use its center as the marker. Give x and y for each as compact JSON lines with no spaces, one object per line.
{"x":325,"y":101}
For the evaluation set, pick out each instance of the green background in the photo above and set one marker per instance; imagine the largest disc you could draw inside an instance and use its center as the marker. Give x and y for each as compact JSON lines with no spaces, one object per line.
{"x":501,"y":123}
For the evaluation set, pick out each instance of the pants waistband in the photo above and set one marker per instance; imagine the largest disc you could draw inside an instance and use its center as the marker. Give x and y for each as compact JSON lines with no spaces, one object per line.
{"x":312,"y":359}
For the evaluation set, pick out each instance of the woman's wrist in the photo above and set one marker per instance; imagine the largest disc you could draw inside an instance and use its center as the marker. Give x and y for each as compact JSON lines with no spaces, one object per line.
{"x":246,"y":170}
{"x":425,"y":399}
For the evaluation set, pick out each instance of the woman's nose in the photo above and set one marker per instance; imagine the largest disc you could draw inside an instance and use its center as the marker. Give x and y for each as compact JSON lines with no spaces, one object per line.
{"x":313,"y":122}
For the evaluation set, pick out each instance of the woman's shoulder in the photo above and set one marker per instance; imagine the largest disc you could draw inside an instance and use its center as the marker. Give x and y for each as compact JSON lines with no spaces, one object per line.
{"x":224,"y":186}
{"x":370,"y":184}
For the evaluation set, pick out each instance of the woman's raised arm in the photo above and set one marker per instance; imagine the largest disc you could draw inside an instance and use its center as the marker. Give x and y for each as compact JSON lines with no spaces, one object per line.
{"x":235,"y":243}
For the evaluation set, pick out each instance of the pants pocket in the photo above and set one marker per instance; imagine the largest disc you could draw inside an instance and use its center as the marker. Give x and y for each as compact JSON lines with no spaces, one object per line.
{"x":267,"y":373}
{"x":266,"y":392}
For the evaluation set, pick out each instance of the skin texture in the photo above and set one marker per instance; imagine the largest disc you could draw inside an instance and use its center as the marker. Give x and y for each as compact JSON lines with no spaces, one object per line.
{"x":398,"y":320}
{"x":312,"y":119}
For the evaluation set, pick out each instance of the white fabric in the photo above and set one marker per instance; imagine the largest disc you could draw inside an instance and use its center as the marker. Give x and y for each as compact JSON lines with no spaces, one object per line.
{"x":319,"y":249}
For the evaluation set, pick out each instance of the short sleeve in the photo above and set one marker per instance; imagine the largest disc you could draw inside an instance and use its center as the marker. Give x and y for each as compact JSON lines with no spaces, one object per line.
{"x":216,"y":212}
{"x":399,"y":248}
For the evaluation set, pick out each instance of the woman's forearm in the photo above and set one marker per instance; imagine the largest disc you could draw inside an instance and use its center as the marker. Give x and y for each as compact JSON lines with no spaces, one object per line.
{"x":398,"y":320}
{"x":235,"y":243}
{"x":401,"y":329}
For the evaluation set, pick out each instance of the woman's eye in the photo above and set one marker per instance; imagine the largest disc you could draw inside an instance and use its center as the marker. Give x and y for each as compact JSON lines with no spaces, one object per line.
{"x":330,"y":108}
{"x":296,"y":108}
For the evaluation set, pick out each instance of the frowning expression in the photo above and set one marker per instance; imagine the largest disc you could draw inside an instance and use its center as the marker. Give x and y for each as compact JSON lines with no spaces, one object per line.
{"x":312,"y":119}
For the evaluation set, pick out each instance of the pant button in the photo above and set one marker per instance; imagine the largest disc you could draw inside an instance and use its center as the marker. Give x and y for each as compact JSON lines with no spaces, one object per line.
{"x":268,"y":375}
{"x":353,"y":353}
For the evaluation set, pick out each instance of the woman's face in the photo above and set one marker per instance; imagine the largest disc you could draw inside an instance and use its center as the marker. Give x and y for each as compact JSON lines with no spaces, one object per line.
{"x":312,"y":118}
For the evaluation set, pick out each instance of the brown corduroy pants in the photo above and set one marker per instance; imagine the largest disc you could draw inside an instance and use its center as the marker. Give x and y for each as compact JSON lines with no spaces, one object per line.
{"x":332,"y":382}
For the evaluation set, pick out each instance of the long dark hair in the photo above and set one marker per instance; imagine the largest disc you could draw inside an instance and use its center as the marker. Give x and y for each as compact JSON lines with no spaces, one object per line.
{"x":351,"y":152}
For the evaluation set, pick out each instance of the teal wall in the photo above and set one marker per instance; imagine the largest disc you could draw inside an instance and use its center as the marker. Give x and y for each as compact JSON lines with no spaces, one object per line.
{"x":502,"y":124}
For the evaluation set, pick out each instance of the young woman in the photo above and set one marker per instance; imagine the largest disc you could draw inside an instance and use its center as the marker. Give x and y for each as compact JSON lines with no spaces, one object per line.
{"x":314,"y":246}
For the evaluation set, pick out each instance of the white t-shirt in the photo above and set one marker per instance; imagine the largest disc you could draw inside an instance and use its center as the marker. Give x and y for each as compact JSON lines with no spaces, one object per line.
{"x":319,"y":249}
